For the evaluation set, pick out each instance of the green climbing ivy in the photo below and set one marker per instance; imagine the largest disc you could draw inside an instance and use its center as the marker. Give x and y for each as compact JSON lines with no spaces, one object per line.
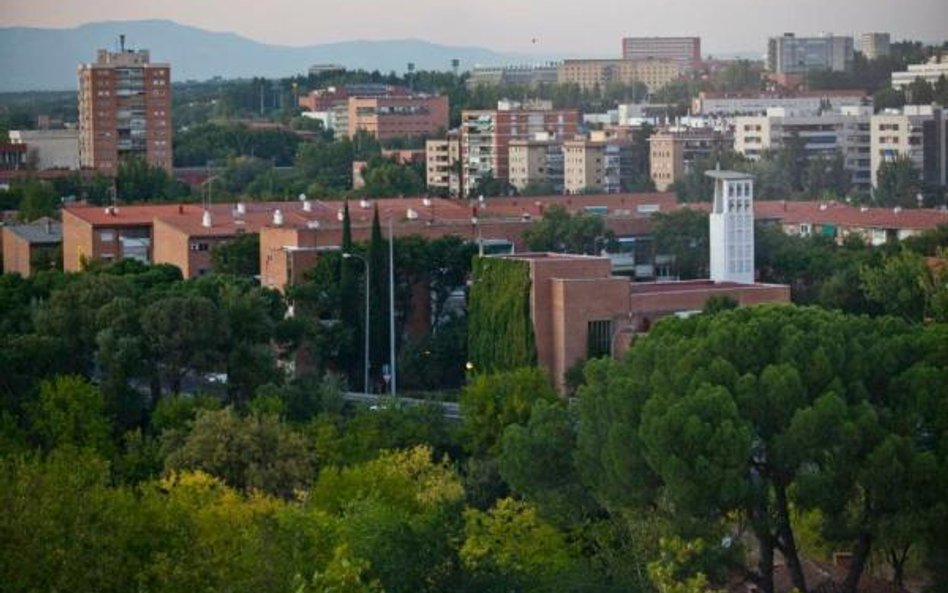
{"x":500,"y":333}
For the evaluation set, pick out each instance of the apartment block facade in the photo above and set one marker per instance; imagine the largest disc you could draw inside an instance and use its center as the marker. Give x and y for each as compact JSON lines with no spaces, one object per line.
{"x":790,"y":54}
{"x":442,"y":165}
{"x":728,"y":104}
{"x":875,"y":45}
{"x":486,"y":135}
{"x":919,"y":132}
{"x":124,"y":111}
{"x":674,"y":151}
{"x":595,"y":165}
{"x":822,"y":134}
{"x":590,"y":74}
{"x":398,"y":116}
{"x":684,"y":50}
{"x":536,"y":162}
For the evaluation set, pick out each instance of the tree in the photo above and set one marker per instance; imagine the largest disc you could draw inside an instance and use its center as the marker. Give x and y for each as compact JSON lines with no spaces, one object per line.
{"x":898,"y":285}
{"x":186,"y":333}
{"x":385,"y":178}
{"x":256,"y":452}
{"x":490,"y":403}
{"x":138,"y":181}
{"x":562,"y":232}
{"x":71,"y":412}
{"x":39,"y":199}
{"x":752,"y":410}
{"x":377,"y":259}
{"x":239,"y":256}
{"x":897,"y":183}
{"x":683,"y":234}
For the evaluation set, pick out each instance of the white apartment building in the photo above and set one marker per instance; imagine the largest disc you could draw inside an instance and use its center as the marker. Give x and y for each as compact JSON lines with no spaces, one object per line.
{"x":930,"y":72}
{"x":846,"y":132}
{"x":918,"y":132}
{"x":728,"y":104}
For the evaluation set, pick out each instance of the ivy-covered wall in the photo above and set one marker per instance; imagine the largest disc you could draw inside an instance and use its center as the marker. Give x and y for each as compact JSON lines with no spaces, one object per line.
{"x":500,"y":333}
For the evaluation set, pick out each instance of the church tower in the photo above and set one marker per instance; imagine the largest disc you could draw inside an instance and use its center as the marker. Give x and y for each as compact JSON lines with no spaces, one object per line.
{"x":732,"y":227}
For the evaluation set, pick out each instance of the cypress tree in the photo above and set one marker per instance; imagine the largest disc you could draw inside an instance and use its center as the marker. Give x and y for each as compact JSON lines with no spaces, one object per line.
{"x":350,"y":300}
{"x":378,"y":288}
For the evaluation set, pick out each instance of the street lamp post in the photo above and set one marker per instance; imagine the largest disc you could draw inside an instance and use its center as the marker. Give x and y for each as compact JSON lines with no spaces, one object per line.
{"x":365,"y":262}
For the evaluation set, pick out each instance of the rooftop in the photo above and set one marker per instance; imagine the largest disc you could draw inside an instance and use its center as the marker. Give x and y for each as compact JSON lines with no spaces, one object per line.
{"x":44,"y":231}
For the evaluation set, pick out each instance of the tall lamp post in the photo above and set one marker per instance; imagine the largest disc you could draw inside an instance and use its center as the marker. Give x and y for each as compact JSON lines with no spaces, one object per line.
{"x":365,"y":262}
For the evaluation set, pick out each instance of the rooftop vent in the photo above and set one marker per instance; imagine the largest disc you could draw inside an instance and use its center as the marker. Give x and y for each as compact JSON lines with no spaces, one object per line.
{"x":278,"y":217}
{"x":206,"y":219}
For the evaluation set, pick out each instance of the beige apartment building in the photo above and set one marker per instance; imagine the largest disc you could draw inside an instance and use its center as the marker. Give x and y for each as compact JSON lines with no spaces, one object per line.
{"x":398,"y":116}
{"x":589,"y":74}
{"x":442,"y":158}
{"x":684,"y":50}
{"x":124,"y":110}
{"x":674,"y":151}
{"x":919,"y":132}
{"x":536,"y":161}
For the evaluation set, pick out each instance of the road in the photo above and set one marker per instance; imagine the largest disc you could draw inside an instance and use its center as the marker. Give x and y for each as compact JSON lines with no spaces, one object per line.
{"x":451,"y":409}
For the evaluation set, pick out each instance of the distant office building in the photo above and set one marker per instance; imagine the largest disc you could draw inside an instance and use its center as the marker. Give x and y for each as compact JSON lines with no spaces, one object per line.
{"x":674,"y":151}
{"x":124,"y":110}
{"x":49,"y":149}
{"x":822,"y":134}
{"x":442,"y":165}
{"x":684,"y":50}
{"x":930,"y":72}
{"x":320,"y":69}
{"x":919,"y":132}
{"x":798,"y":55}
{"x":531,"y":75}
{"x":12,"y":156}
{"x":590,"y":74}
{"x":486,"y":135}
{"x":874,"y":45}
{"x":728,"y":104}
{"x":398,"y":116}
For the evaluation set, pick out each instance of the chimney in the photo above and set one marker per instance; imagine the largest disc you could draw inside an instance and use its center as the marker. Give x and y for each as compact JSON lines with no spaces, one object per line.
{"x":241,"y":208}
{"x":277,"y":217}
{"x":206,"y":219}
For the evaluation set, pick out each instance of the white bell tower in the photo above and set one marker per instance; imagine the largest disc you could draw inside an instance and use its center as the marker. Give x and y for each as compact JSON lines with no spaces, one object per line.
{"x":732,"y":227}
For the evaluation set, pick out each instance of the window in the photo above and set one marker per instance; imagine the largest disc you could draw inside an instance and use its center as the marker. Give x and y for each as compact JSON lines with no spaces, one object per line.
{"x":106,"y":236}
{"x":599,"y":338}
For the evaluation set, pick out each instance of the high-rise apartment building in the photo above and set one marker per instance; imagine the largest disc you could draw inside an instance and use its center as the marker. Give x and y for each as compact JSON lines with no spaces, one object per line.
{"x":537,"y":162}
{"x":442,"y":158}
{"x":124,"y":110}
{"x":919,"y":132}
{"x":798,"y":55}
{"x":486,"y":135}
{"x":874,"y":45}
{"x":684,"y":50}
{"x":599,"y":165}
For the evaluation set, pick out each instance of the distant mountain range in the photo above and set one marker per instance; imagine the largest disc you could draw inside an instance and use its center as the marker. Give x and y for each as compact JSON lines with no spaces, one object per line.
{"x":46,"y":59}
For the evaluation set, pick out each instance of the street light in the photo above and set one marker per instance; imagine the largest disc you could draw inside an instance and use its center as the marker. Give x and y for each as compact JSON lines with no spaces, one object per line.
{"x":365,"y":262}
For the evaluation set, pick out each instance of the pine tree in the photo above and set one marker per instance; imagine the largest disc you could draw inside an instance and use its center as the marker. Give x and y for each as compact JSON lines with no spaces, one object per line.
{"x":350,"y":298}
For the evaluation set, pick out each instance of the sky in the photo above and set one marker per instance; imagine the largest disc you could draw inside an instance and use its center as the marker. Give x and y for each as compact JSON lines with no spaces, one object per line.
{"x":581,"y":27}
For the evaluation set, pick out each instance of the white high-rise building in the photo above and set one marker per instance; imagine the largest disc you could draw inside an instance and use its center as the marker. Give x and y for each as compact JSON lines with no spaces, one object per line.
{"x":732,"y":227}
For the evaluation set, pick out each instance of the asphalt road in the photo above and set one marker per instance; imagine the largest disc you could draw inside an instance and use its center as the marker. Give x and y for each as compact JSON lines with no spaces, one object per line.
{"x":451,"y":409}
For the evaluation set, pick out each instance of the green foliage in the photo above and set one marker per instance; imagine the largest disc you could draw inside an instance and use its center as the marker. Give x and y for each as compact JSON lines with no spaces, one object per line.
{"x":500,"y":331}
{"x":385,"y":179}
{"x":897,"y":183}
{"x":561,"y":232}
{"x":198,"y":146}
{"x":71,"y":413}
{"x":256,"y":452}
{"x":39,"y":199}
{"x":745,"y":412}
{"x":491,"y":402}
{"x":239,"y":257}
{"x":137,"y":181}
{"x":510,"y":542}
{"x":899,"y":286}
{"x":683,"y":234}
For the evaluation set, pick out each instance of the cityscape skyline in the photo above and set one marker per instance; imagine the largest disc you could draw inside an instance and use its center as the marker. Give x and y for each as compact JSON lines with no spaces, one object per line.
{"x":725,"y":26}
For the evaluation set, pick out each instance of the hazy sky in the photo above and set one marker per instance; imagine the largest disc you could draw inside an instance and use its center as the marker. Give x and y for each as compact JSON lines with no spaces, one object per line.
{"x":558,"y":26}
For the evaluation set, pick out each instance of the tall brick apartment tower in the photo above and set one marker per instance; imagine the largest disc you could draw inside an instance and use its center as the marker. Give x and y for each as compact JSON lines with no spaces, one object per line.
{"x":124,"y":110}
